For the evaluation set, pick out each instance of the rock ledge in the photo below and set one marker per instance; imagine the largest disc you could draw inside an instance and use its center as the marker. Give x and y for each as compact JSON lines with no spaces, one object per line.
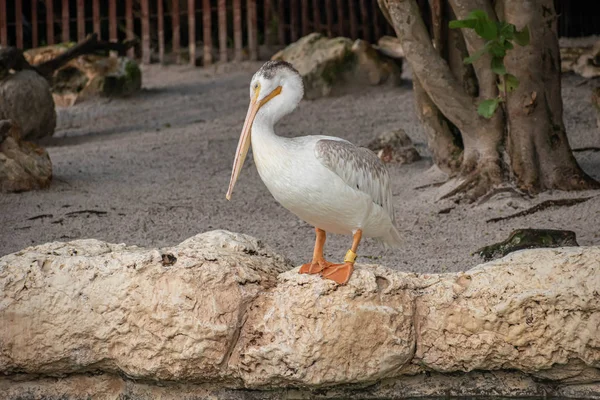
{"x":221,"y":313}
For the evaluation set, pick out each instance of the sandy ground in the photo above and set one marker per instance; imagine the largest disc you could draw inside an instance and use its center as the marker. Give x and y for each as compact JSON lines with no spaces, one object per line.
{"x":153,"y":170}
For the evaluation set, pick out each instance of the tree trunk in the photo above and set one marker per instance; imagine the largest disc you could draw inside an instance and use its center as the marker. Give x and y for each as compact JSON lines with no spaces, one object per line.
{"x":447,"y":95}
{"x":539,"y":150}
{"x":446,"y":152}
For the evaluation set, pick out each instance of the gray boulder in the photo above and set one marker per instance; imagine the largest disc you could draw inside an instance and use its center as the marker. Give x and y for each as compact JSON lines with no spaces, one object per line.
{"x":332,"y":66}
{"x":25,"y":98}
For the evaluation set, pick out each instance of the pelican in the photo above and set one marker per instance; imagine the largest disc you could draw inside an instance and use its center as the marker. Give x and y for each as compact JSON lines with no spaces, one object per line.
{"x":328,"y":182}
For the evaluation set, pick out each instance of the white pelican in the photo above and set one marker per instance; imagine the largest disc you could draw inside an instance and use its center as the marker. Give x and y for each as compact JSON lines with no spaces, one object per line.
{"x":326,"y":181}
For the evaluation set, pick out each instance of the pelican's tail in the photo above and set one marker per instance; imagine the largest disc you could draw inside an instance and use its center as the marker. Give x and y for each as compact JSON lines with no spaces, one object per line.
{"x":393,"y":239}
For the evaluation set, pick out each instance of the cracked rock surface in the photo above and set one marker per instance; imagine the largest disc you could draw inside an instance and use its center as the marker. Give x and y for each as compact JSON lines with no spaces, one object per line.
{"x":220,"y":309}
{"x":88,"y":306}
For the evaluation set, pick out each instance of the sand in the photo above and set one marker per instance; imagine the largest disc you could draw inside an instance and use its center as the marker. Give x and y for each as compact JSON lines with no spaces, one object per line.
{"x":152,"y":170}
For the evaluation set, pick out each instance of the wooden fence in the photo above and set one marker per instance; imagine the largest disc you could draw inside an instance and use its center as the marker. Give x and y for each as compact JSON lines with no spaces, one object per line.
{"x":224,"y":28}
{"x":175,"y":27}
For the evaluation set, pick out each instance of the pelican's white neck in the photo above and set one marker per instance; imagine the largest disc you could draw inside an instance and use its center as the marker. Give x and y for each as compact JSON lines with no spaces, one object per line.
{"x":265,"y":120}
{"x":263,"y":132}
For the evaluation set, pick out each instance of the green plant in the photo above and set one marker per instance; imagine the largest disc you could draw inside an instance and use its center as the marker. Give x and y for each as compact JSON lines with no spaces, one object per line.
{"x":499,"y":37}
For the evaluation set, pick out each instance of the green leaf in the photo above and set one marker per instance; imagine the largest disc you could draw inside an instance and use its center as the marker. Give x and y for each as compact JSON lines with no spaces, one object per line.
{"x":464,"y":23}
{"x":478,"y":20}
{"x":475,"y":56}
{"x":496,"y":49}
{"x":498,"y":66}
{"x":487,"y":29}
{"x":522,"y":37}
{"x":488,"y":107}
{"x":511,"y":82}
{"x":478,"y":15}
{"x":506,"y":30}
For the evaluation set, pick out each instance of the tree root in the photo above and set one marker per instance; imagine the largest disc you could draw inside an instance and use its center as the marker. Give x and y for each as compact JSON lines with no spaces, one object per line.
{"x":542,"y":206}
{"x":95,"y":212}
{"x":475,"y":186}
{"x":429,"y":185}
{"x":501,"y":189}
{"x":580,"y":149}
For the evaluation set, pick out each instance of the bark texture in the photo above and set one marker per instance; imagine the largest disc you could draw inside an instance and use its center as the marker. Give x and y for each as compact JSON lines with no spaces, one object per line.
{"x":447,"y":94}
{"x":221,"y":309}
{"x":539,"y":150}
{"x":442,"y":143}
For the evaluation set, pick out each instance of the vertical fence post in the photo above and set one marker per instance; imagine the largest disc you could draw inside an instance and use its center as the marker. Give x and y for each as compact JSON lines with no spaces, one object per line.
{"x":316,"y":16}
{"x":19,"y":23}
{"x":364,"y":21}
{"x":34,"y":24}
{"x":376,"y":21}
{"x":222,"y":30}
{"x":146,"y":56}
{"x":66,"y":32}
{"x":112,"y":21}
{"x":280,"y":22}
{"x":252,"y":30}
{"x":129,"y":25}
{"x":294,"y":20}
{"x":329,"y":13}
{"x":305,"y":19}
{"x":49,"y":22}
{"x":353,"y":25}
{"x":340,"y":15}
{"x":96,"y":17}
{"x":160,"y":11}
{"x":207,"y":58}
{"x":176,"y":22}
{"x":237,"y":29}
{"x":192,"y":31}
{"x":267,"y":19}
{"x":80,"y":20}
{"x":3,"y":27}
{"x":387,"y":30}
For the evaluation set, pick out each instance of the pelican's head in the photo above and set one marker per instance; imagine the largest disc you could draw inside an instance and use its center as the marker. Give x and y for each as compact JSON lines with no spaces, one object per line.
{"x":275,"y":90}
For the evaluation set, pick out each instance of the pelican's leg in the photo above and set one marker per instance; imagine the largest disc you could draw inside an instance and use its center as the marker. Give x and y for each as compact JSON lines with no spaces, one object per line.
{"x":341,"y":273}
{"x":318,"y":263}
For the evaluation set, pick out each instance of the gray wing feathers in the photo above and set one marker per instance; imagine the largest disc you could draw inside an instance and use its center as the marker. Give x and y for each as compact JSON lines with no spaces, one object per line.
{"x":360,"y":168}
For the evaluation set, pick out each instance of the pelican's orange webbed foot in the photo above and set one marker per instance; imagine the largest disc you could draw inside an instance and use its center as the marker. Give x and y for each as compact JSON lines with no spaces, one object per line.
{"x":318,"y":263}
{"x":339,"y":273}
{"x":315,"y":267}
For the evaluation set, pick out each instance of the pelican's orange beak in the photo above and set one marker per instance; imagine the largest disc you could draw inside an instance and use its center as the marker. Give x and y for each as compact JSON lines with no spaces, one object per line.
{"x":244,"y":143}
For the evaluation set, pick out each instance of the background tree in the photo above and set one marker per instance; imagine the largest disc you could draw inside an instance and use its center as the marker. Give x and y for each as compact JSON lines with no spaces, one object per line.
{"x":525,"y":140}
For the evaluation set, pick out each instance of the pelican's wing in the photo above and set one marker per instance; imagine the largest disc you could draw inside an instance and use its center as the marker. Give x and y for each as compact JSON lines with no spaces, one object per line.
{"x":360,"y":168}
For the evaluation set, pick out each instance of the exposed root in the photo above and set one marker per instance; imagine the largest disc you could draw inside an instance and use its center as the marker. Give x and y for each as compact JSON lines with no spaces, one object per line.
{"x":480,"y":177}
{"x":501,"y":189}
{"x":475,"y":186}
{"x":580,"y":149}
{"x":429,"y":185}
{"x":96,"y":212}
{"x":576,"y":181}
{"x":542,"y":206}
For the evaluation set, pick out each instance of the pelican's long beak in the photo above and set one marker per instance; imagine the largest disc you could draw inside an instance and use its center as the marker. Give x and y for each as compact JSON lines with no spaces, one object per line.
{"x":244,"y":143}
